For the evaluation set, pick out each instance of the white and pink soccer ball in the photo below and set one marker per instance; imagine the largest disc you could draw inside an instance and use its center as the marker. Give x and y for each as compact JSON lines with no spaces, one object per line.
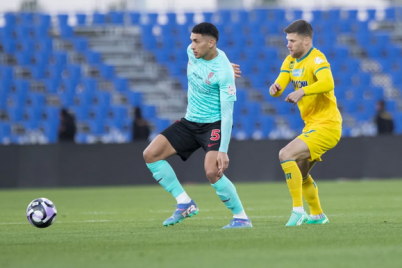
{"x":41,"y":212}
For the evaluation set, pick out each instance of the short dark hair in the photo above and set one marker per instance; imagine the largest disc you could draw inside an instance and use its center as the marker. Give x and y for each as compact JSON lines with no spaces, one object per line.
{"x":300,"y":27}
{"x":206,"y":28}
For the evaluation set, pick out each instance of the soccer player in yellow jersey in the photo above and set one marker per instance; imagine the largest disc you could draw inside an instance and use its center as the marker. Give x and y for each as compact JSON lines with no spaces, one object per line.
{"x":309,"y":72}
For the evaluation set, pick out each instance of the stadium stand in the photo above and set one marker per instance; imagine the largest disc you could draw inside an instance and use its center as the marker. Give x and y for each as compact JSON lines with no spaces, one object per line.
{"x":100,"y":66}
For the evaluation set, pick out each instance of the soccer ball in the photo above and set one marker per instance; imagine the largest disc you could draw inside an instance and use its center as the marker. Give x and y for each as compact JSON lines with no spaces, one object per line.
{"x":41,"y":212}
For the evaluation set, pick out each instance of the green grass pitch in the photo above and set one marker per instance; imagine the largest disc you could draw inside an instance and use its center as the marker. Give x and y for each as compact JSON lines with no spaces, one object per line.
{"x":122,"y":227}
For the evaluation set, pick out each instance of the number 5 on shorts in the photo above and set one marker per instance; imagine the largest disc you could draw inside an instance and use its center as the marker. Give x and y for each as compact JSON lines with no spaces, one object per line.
{"x":215,"y":135}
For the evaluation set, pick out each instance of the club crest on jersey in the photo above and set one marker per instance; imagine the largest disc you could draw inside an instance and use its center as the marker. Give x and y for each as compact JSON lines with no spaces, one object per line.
{"x":211,"y":74}
{"x":291,"y":65}
{"x":232,"y":90}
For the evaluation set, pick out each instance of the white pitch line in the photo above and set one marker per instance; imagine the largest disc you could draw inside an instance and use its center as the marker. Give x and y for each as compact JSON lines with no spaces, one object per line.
{"x":197,"y":218}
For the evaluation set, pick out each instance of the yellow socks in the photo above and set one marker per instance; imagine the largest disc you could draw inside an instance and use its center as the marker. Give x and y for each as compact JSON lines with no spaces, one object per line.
{"x":310,"y":194}
{"x":294,"y":180}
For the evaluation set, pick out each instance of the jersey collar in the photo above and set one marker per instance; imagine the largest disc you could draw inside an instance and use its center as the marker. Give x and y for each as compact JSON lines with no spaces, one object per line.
{"x":305,"y":56}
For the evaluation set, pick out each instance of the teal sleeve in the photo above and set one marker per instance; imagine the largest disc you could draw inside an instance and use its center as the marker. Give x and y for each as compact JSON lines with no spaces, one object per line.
{"x":227,"y":85}
{"x":226,"y":124}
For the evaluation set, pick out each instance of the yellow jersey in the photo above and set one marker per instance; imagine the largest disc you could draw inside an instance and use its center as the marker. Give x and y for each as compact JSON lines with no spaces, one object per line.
{"x":312,"y":73}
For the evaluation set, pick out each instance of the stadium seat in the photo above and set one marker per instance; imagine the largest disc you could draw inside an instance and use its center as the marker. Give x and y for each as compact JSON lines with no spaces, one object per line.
{"x":81,"y":19}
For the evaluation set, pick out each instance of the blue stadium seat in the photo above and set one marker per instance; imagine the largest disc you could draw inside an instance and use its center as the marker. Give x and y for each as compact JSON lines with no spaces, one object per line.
{"x":120,"y":84}
{"x":207,"y":16}
{"x":297,"y":14}
{"x":5,"y":86}
{"x":50,"y":114}
{"x":371,"y":13}
{"x":49,"y":129}
{"x":23,"y":58}
{"x":277,"y":14}
{"x":51,"y":85}
{"x":44,"y":45}
{"x":135,"y":17}
{"x":171,"y":18}
{"x":36,"y":100}
{"x":5,"y":133}
{"x":10,"y":19}
{"x":189,"y":18}
{"x":374,"y":52}
{"x":281,"y":108}
{"x":266,"y":124}
{"x":98,"y":112}
{"x":6,"y":73}
{"x":81,"y":113}
{"x":84,"y":98}
{"x":392,"y":51}
{"x":102,"y":98}
{"x":117,"y":111}
{"x":74,"y":72}
{"x":241,"y":95}
{"x":89,"y":84}
{"x":15,"y":113}
{"x":92,"y":57}
{"x":81,"y":19}
{"x":361,"y":79}
{"x":66,"y":31}
{"x":40,"y":58}
{"x":38,"y":72}
{"x":133,"y":98}
{"x":20,"y":86}
{"x":32,"y":114}
{"x":152,"y":18}
{"x":294,"y":122}
{"x":66,"y":99}
{"x":334,"y":15}
{"x":98,"y":19}
{"x":80,"y":44}
{"x":390,"y":13}
{"x":9,"y":46}
{"x":62,"y":19}
{"x":148,"y":111}
{"x":352,"y":15}
{"x":59,"y":58}
{"x":116,"y":17}
{"x":160,"y":124}
{"x":69,"y":85}
{"x":96,"y":127}
{"x":40,"y":32}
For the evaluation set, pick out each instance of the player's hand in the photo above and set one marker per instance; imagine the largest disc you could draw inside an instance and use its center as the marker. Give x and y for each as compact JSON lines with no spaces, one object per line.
{"x":274,"y":89}
{"x":223,"y":162}
{"x":236,"y":69}
{"x":296,"y":96}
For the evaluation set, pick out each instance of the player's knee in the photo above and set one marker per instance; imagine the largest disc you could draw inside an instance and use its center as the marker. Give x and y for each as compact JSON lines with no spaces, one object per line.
{"x":149,"y":156}
{"x":284,"y":155}
{"x":212,"y":175}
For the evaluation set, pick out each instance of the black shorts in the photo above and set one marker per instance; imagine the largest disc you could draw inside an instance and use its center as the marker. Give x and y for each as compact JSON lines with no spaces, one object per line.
{"x":186,"y":137}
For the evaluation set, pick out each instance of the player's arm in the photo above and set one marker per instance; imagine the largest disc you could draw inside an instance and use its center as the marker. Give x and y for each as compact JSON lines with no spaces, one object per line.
{"x":227,"y":97}
{"x":282,"y":81}
{"x":325,"y":82}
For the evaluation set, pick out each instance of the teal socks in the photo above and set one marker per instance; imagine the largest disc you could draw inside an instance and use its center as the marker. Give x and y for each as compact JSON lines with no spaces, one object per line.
{"x":227,"y":193}
{"x":165,"y":176}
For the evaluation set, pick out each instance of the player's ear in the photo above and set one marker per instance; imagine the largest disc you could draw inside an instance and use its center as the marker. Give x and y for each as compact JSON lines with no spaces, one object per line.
{"x":212,"y":42}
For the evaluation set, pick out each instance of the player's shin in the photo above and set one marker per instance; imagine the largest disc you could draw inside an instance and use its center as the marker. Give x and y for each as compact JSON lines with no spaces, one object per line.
{"x":165,"y":176}
{"x":228,"y":194}
{"x":310,"y":194}
{"x":294,"y":180}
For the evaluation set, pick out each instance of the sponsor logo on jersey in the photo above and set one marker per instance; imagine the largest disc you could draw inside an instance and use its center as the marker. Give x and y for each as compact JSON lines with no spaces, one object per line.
{"x":232,"y":90}
{"x":297,"y":72}
{"x":299,"y":84}
{"x":318,"y":60}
